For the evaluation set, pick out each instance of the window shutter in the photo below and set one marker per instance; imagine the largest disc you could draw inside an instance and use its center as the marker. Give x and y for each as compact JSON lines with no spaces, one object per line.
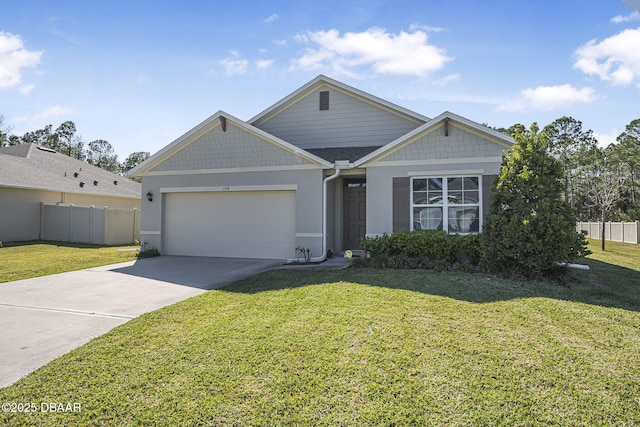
{"x":324,"y":100}
{"x":401,"y":204}
{"x":487,"y":185}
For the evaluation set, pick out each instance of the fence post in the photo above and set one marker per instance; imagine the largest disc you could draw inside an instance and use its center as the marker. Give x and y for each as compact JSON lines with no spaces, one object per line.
{"x":71,"y":223}
{"x":106,"y":222}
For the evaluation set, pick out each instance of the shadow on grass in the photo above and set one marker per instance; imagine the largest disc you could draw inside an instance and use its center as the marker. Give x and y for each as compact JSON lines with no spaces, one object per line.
{"x":77,"y":245}
{"x":604,"y":285}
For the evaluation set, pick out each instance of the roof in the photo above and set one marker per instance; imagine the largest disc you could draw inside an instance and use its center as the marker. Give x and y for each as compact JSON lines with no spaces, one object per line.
{"x":209,"y":124}
{"x":322,"y":80}
{"x":33,"y":167}
{"x":342,"y":153}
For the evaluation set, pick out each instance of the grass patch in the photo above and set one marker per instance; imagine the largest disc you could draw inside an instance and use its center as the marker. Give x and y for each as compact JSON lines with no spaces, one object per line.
{"x":33,"y":259}
{"x":362,"y":347}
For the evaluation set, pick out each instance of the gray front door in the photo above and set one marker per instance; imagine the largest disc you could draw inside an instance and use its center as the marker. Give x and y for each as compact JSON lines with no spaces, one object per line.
{"x":355,"y":208}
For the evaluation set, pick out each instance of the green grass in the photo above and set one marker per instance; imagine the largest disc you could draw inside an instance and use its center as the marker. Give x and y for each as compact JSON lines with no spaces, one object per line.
{"x":33,"y":259}
{"x":364,"y":347}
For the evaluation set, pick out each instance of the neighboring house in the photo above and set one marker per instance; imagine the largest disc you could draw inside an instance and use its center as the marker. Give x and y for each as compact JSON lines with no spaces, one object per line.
{"x":31,"y":175}
{"x":319,"y":169}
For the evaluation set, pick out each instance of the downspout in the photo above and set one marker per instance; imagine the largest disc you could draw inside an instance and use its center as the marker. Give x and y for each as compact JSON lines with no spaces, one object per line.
{"x":324,"y":219}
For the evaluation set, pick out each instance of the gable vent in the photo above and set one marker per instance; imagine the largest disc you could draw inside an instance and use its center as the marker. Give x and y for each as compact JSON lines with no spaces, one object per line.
{"x":324,"y":100}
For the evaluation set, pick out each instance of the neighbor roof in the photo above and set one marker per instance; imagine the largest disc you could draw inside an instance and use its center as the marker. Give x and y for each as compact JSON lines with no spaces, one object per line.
{"x":33,"y":167}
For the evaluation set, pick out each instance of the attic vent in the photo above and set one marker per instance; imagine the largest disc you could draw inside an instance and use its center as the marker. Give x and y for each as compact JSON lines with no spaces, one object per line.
{"x":81,"y":184}
{"x":115,"y":182}
{"x":75,"y":174}
{"x":95,"y":182}
{"x":324,"y":100}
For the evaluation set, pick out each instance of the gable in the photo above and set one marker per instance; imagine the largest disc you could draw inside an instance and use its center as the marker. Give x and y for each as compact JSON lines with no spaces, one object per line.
{"x":436,"y":144}
{"x":234,"y":147}
{"x":346,"y":118}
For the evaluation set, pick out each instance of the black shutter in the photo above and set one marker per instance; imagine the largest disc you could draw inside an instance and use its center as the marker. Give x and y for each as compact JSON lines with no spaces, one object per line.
{"x":401,"y":204}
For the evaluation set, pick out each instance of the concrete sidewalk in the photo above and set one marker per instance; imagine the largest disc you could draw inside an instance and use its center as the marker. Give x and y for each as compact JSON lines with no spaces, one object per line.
{"x":46,"y":317}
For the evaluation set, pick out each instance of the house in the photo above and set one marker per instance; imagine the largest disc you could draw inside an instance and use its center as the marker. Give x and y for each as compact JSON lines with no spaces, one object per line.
{"x":319,"y":169}
{"x":31,"y":175}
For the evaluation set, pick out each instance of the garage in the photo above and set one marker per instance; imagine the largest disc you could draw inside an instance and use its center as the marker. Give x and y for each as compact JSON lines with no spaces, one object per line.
{"x":237,"y":224}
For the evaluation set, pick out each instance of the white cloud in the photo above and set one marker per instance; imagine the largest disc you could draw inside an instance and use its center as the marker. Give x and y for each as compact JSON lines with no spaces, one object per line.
{"x":448,"y":79}
{"x":264,"y":63}
{"x":549,"y":97}
{"x":604,"y":140}
{"x":400,"y":54}
{"x":635,"y":16}
{"x":280,"y":42}
{"x":427,"y":28}
{"x":271,"y":19}
{"x":234,"y":65}
{"x":615,"y":59}
{"x":46,"y":114}
{"x":13,"y":58}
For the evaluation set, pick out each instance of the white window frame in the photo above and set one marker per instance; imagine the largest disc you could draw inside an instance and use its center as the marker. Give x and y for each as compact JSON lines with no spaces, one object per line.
{"x":445,"y":205}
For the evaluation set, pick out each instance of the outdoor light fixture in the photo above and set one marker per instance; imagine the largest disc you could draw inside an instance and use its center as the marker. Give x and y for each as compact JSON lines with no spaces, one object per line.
{"x":150,"y":196}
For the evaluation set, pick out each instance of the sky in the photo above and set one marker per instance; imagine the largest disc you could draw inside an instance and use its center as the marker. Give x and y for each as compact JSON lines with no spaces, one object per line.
{"x":141,"y":73}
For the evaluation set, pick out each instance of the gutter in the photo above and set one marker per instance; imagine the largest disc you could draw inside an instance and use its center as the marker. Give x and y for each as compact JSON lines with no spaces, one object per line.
{"x":338,"y":166}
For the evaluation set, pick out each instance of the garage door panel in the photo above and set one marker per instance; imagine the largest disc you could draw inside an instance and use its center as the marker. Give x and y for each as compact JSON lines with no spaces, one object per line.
{"x":258,"y":224}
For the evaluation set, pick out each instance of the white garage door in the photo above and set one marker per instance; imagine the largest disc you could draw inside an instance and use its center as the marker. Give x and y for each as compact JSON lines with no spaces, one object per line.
{"x":245,"y":224}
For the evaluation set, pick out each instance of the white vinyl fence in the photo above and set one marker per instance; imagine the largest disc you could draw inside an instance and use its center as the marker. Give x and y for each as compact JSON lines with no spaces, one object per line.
{"x":100,"y":226}
{"x":628,"y":232}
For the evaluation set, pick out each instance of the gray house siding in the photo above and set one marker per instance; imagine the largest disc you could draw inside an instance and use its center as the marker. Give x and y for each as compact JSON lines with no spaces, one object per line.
{"x":349,"y":121}
{"x":459,"y":143}
{"x":233,"y":148}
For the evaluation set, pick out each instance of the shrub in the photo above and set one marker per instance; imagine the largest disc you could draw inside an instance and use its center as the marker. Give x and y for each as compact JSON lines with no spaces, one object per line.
{"x":425,"y":249}
{"x":529,"y":228}
{"x":148,"y":253}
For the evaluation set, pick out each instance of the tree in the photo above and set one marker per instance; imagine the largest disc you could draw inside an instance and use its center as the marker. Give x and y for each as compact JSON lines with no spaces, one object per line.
{"x":628,"y":152}
{"x":133,"y":160}
{"x":602,"y":181}
{"x":5,"y":131}
{"x":530,"y":228}
{"x":100,"y":153}
{"x":566,"y":139}
{"x":64,"y":137}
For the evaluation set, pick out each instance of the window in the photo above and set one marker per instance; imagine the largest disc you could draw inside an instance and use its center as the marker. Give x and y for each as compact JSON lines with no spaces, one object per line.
{"x":451,"y":204}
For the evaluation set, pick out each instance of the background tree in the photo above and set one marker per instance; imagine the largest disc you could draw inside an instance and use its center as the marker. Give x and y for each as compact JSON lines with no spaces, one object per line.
{"x":5,"y":132}
{"x":530,"y":228}
{"x":627,"y":152}
{"x":602,"y":180}
{"x":133,"y":160}
{"x":566,"y":140}
{"x":100,"y":153}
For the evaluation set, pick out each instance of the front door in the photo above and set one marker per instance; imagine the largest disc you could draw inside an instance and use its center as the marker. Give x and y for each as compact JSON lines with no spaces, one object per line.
{"x":355,"y":208}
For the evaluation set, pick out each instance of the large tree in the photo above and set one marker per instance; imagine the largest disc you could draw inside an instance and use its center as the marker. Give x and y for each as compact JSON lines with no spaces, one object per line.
{"x":101,"y":154}
{"x":530,"y":228}
{"x":566,"y":139}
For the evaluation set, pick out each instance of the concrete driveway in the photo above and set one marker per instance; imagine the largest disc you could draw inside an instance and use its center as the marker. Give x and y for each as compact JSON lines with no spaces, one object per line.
{"x":46,"y":317}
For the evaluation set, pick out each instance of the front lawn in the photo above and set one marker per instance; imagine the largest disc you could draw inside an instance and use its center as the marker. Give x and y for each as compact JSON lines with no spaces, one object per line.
{"x":32,"y":259}
{"x":362,"y":347}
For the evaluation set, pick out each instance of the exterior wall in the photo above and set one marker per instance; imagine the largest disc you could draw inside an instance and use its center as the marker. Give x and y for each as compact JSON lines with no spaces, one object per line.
{"x":435,"y":145}
{"x":20,"y":209}
{"x":380,"y":187}
{"x":308,"y":199}
{"x":235,"y":148}
{"x":349,"y":121}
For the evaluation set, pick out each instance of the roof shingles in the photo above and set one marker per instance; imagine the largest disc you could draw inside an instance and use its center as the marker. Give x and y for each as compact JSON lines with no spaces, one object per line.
{"x":33,"y":167}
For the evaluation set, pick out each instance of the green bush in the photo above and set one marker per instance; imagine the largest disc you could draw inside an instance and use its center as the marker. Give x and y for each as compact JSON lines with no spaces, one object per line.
{"x":529,"y":229}
{"x":424,"y":249}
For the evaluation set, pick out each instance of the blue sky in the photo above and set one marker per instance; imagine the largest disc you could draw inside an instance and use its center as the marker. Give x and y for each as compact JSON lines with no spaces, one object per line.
{"x":141,"y":73}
